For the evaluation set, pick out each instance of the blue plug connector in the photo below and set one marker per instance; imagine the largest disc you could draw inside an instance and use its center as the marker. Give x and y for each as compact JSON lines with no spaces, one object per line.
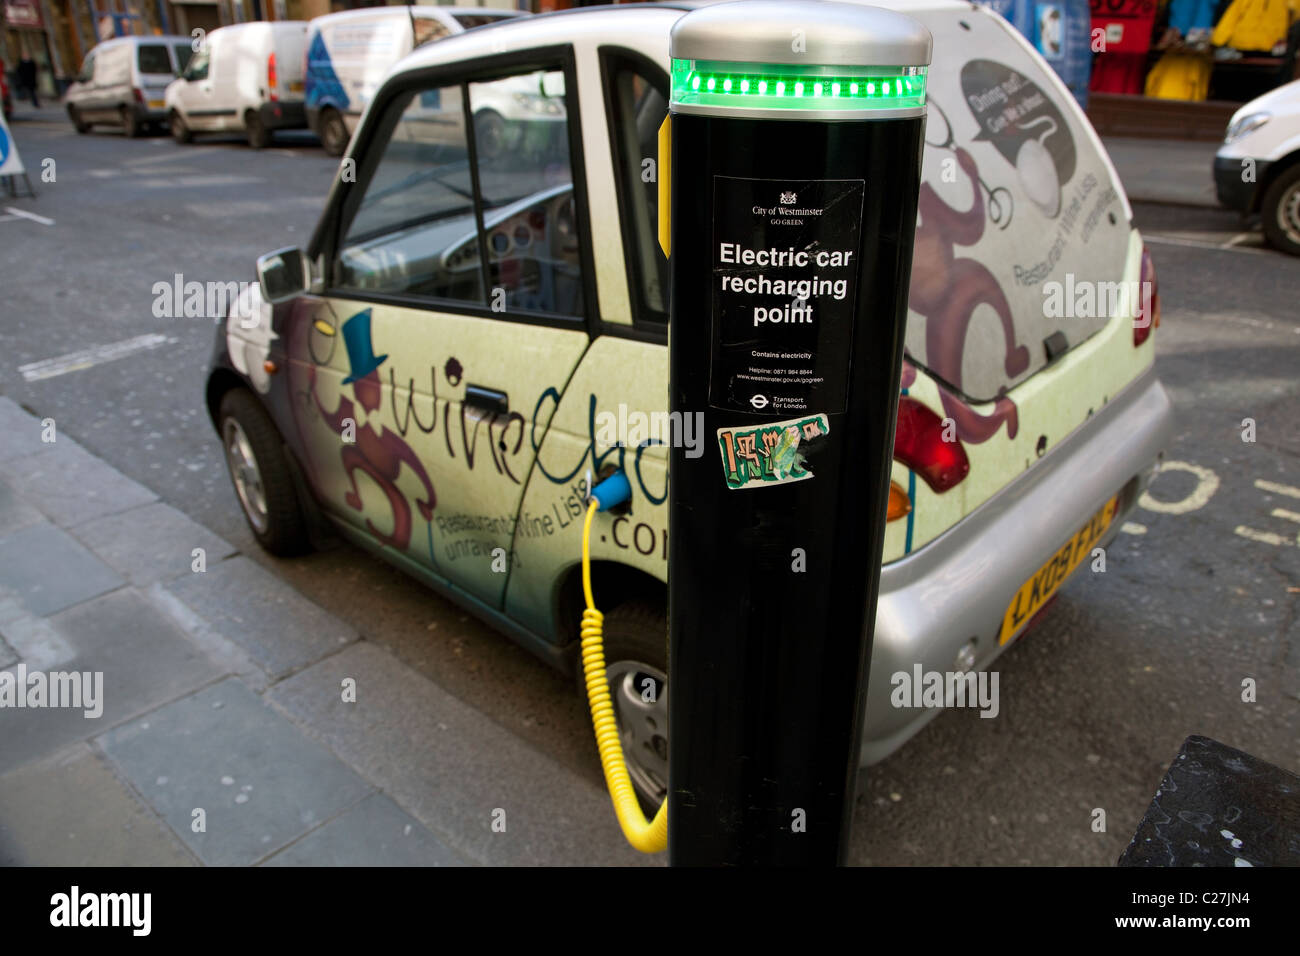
{"x":613,"y":491}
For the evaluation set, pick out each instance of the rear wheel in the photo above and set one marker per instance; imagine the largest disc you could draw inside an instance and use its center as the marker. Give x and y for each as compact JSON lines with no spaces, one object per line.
{"x":258,"y":470}
{"x":1280,"y":211}
{"x":259,"y":137}
{"x":333,"y":132}
{"x":636,"y":666}
{"x":180,"y":132}
{"x":79,"y":124}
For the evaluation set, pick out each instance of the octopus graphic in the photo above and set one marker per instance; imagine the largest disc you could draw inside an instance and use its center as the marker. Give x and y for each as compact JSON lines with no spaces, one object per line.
{"x":377,"y":454}
{"x":947,"y":290}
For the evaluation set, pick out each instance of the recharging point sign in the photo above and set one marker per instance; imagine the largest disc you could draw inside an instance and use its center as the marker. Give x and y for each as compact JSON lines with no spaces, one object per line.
{"x":784,"y":288}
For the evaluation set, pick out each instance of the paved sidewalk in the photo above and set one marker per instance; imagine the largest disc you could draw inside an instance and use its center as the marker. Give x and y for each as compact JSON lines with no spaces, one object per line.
{"x":1165,"y":170}
{"x":223,"y":736}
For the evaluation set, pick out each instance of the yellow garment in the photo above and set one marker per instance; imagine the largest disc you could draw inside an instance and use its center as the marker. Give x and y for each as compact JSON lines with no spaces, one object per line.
{"x":1179,"y":76}
{"x":1253,"y":25}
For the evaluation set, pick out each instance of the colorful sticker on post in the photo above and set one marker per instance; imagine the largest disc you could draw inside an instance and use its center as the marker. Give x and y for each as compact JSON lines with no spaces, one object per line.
{"x":757,"y":456}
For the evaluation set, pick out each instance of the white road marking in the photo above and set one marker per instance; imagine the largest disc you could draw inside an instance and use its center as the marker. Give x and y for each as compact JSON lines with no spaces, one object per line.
{"x":1207,"y":484}
{"x":1132,"y":527}
{"x":96,"y":355}
{"x":1200,"y":244}
{"x":22,"y":213}
{"x":1239,"y":237}
{"x":1264,"y":537}
{"x":1288,"y":515}
{"x":1287,"y":490}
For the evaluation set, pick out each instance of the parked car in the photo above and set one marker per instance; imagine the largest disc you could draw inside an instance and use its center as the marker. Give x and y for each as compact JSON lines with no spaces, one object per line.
{"x":122,"y":82}
{"x":350,"y":52}
{"x":248,"y":78}
{"x":6,"y":101}
{"x":1257,"y":169}
{"x":442,"y":411}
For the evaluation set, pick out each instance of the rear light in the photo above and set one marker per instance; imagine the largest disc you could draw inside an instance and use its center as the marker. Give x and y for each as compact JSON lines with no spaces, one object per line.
{"x":139,"y":94}
{"x":919,"y":444}
{"x":271,"y":77}
{"x":899,"y":505}
{"x":1148,"y":309}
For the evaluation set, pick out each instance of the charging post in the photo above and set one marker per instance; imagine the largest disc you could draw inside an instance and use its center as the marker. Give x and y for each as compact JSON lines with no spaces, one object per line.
{"x":796,"y":136}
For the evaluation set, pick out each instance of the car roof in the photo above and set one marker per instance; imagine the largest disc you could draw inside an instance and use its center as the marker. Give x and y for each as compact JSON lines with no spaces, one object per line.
{"x":419,"y":10}
{"x":640,"y":26}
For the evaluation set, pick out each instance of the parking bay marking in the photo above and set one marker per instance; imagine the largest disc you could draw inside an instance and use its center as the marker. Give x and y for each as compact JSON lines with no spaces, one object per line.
{"x":96,"y":355}
{"x":24,"y":214}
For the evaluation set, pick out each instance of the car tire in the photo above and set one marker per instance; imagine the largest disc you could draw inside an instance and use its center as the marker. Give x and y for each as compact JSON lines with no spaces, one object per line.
{"x":180,"y":132}
{"x":333,"y":132}
{"x":79,"y":124}
{"x":130,"y":122}
{"x":255,"y":460}
{"x":259,"y":137}
{"x":636,"y":648}
{"x":1279,"y":211}
{"x":489,"y":134}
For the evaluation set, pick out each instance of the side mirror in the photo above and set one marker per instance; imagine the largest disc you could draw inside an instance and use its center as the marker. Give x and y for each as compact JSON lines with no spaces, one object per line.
{"x":283,"y":275}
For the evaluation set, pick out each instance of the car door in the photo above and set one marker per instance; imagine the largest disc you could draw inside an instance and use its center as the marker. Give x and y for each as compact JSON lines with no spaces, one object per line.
{"x":194,"y":96}
{"x":458,"y":294}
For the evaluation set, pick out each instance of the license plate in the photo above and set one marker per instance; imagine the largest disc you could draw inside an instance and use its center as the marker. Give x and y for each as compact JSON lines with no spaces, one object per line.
{"x":1036,"y":592}
{"x":156,"y":104}
{"x":295,"y":86}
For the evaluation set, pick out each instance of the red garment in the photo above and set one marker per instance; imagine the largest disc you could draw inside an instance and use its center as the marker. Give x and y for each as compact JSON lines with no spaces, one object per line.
{"x":1118,"y":73}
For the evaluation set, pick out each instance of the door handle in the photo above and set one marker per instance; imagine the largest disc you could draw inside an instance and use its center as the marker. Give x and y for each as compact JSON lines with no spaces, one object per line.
{"x":487,"y":399}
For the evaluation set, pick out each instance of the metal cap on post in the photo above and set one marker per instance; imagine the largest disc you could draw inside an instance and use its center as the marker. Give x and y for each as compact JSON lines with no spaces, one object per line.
{"x":796,"y":142}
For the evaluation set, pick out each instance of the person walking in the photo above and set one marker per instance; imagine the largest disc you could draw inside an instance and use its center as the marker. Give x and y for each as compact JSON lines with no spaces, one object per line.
{"x":27,"y":76}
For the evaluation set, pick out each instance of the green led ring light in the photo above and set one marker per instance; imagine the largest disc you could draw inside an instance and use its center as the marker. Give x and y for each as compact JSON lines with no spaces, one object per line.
{"x":770,"y":86}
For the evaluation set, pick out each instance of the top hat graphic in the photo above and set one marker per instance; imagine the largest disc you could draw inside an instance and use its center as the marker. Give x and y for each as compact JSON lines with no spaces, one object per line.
{"x":361,"y":354}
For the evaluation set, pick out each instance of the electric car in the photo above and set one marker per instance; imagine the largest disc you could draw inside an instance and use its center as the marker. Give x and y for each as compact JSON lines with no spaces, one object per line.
{"x":439,"y":375}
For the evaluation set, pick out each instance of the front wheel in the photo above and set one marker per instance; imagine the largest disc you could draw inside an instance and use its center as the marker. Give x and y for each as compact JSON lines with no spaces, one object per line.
{"x":130,"y":122}
{"x":636,"y":666}
{"x":79,"y":124}
{"x":259,"y":137}
{"x":333,"y":133}
{"x":1280,"y":212}
{"x":255,"y":460}
{"x":180,"y":132}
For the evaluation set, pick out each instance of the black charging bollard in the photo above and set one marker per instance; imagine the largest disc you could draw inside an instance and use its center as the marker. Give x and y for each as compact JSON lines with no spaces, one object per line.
{"x":796,"y":132}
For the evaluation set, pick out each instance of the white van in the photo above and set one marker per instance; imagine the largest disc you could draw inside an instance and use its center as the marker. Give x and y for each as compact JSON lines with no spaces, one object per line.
{"x":1257,"y":168}
{"x":349,"y":52}
{"x":123,"y":80}
{"x":246,"y":77}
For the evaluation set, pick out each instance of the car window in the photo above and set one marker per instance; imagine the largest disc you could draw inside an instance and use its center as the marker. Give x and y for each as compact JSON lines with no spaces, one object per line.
{"x":638,"y":105}
{"x":183,"y":53}
{"x":414,"y":232}
{"x":87,"y":68}
{"x":521,"y":136}
{"x":198,"y":66}
{"x":426,"y":29}
{"x":471,"y":20}
{"x":153,"y":58}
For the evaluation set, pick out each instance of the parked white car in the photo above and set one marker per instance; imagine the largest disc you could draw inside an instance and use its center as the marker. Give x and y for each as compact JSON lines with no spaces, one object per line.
{"x":246,"y":77}
{"x":122,"y":82}
{"x":1257,"y":168}
{"x":349,"y":52}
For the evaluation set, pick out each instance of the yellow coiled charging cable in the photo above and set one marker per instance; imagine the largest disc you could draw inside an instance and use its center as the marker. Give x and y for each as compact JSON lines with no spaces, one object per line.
{"x":648,"y":837}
